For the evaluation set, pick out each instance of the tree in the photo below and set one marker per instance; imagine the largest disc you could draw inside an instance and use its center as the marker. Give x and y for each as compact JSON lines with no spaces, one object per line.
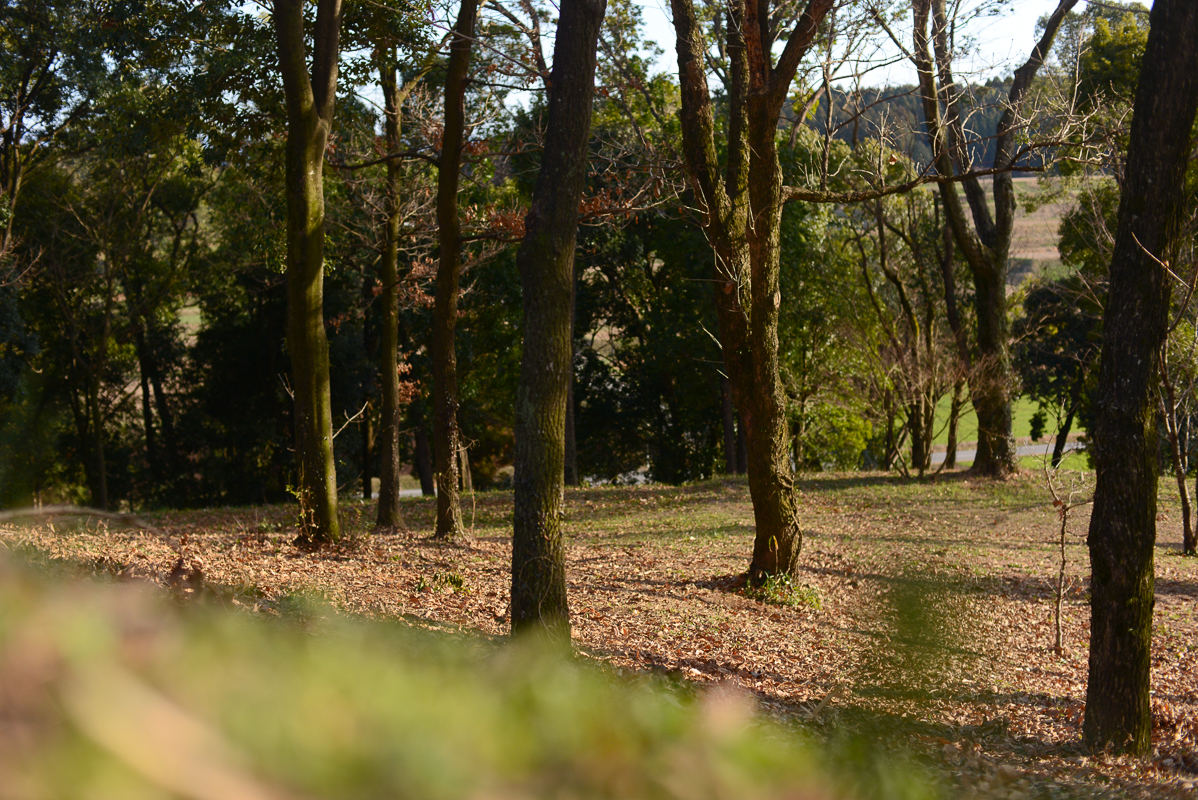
{"x":446,"y":440}
{"x":748,"y":295}
{"x":546,"y":262}
{"x":55,"y":69}
{"x":1056,"y":350}
{"x":310,"y":97}
{"x":1123,"y":525}
{"x":984,"y":242}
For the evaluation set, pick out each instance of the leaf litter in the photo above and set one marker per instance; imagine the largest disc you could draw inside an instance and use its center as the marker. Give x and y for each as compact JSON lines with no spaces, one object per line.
{"x":923,"y":618}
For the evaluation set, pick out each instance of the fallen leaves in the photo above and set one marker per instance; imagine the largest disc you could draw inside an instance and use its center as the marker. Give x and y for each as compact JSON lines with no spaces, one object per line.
{"x":936,"y":609}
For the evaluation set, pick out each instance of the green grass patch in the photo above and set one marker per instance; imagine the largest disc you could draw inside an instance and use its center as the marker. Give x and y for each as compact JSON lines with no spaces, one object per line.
{"x":967,"y":427}
{"x":781,"y":590}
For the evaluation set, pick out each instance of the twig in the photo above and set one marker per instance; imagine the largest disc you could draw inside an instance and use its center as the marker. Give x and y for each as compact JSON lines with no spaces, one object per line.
{"x":350,"y":420}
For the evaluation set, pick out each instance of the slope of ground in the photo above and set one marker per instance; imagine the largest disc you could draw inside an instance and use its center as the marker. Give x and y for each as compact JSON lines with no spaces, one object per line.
{"x":928,"y":617}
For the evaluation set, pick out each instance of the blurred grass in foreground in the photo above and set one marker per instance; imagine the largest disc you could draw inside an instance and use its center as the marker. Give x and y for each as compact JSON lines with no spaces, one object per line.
{"x":114,"y":691}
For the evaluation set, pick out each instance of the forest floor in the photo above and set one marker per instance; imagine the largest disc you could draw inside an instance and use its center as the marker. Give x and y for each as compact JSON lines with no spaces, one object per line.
{"x":923,"y":615}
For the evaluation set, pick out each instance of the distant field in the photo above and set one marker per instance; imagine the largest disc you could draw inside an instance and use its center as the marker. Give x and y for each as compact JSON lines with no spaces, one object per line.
{"x":1034,"y":245}
{"x":967,"y":427}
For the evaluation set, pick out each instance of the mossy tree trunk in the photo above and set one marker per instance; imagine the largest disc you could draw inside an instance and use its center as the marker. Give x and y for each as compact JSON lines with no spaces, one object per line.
{"x":748,"y":295}
{"x":546,"y":263}
{"x":449,"y":272}
{"x":310,"y":98}
{"x":1123,"y":523}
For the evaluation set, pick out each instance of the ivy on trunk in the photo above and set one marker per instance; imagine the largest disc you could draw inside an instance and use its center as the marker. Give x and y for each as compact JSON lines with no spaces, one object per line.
{"x":748,"y":295}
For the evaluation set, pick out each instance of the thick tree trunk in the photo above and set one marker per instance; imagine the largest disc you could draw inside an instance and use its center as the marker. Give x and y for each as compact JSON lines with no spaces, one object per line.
{"x":546,"y":262}
{"x":387,"y":438}
{"x":1123,"y":523}
{"x":778,"y":539}
{"x":310,"y":99}
{"x":992,"y":376}
{"x":445,"y":309}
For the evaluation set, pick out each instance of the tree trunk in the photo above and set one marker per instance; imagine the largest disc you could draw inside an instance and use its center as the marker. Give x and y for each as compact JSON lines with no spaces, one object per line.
{"x":423,"y":456}
{"x":98,"y":480}
{"x":1123,"y":523}
{"x":730,"y":460}
{"x":310,"y":99}
{"x":742,"y":448}
{"x":147,"y":414}
{"x":369,"y":436}
{"x":445,"y":309}
{"x":778,"y":540}
{"x":986,"y":243}
{"x":1075,"y":399}
{"x":387,"y":438}
{"x":546,"y":262}
{"x":954,"y":417}
{"x":1169,"y":411}
{"x":747,"y":293}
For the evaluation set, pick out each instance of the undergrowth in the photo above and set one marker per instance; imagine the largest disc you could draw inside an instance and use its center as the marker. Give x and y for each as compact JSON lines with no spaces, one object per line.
{"x":781,"y":590}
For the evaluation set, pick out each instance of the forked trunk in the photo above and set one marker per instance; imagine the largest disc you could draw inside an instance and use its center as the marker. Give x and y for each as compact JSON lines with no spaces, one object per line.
{"x":747,"y":287}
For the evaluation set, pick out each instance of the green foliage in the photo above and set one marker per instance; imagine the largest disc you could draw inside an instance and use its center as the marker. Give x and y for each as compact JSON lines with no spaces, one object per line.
{"x":781,"y":590}
{"x":132,"y":698}
{"x":648,"y":386}
{"x":1110,"y":65}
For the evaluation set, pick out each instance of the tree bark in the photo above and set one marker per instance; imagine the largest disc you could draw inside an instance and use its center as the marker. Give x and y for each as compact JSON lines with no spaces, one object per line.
{"x":571,"y":466}
{"x":387,"y":439}
{"x":1123,"y":523}
{"x":954,"y":417}
{"x":449,"y":272}
{"x":748,"y":296}
{"x":985,"y":244}
{"x":729,"y":427}
{"x":546,"y":262}
{"x":310,"y":99}
{"x":423,"y":457}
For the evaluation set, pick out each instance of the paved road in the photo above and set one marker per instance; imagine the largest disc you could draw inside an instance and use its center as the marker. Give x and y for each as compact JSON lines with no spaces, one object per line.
{"x":1043,"y":449}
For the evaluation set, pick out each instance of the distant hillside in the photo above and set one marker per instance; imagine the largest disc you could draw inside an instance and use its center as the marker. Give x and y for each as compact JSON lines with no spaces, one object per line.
{"x":896,"y":113}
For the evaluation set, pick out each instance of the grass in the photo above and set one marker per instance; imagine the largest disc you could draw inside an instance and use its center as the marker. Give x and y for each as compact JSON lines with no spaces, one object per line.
{"x":920,"y":616}
{"x":967,"y":427}
{"x":119,"y":693}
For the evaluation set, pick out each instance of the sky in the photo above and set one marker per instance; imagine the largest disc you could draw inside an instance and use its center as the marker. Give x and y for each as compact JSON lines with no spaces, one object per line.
{"x":1001,"y":43}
